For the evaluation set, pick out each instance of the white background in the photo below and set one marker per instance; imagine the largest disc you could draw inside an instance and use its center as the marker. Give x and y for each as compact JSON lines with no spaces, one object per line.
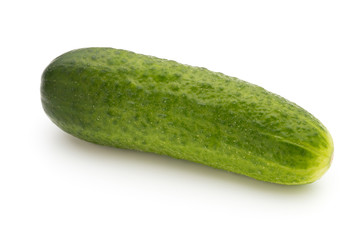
{"x":54,"y":186}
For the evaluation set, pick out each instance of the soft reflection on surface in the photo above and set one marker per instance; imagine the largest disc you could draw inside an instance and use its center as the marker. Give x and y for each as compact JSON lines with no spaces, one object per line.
{"x":153,"y":162}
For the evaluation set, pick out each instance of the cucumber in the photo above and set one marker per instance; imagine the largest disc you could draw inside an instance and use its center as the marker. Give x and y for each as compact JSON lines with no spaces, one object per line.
{"x":127,"y":100}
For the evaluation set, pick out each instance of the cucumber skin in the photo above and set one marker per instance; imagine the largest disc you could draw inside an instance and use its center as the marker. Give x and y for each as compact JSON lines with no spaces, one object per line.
{"x":122,"y":99}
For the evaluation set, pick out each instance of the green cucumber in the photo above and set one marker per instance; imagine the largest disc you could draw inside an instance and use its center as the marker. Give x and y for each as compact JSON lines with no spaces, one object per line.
{"x":127,"y":100}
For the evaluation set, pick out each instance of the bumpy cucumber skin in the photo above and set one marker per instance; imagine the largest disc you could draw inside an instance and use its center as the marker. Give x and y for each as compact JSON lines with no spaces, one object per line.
{"x":119,"y":98}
